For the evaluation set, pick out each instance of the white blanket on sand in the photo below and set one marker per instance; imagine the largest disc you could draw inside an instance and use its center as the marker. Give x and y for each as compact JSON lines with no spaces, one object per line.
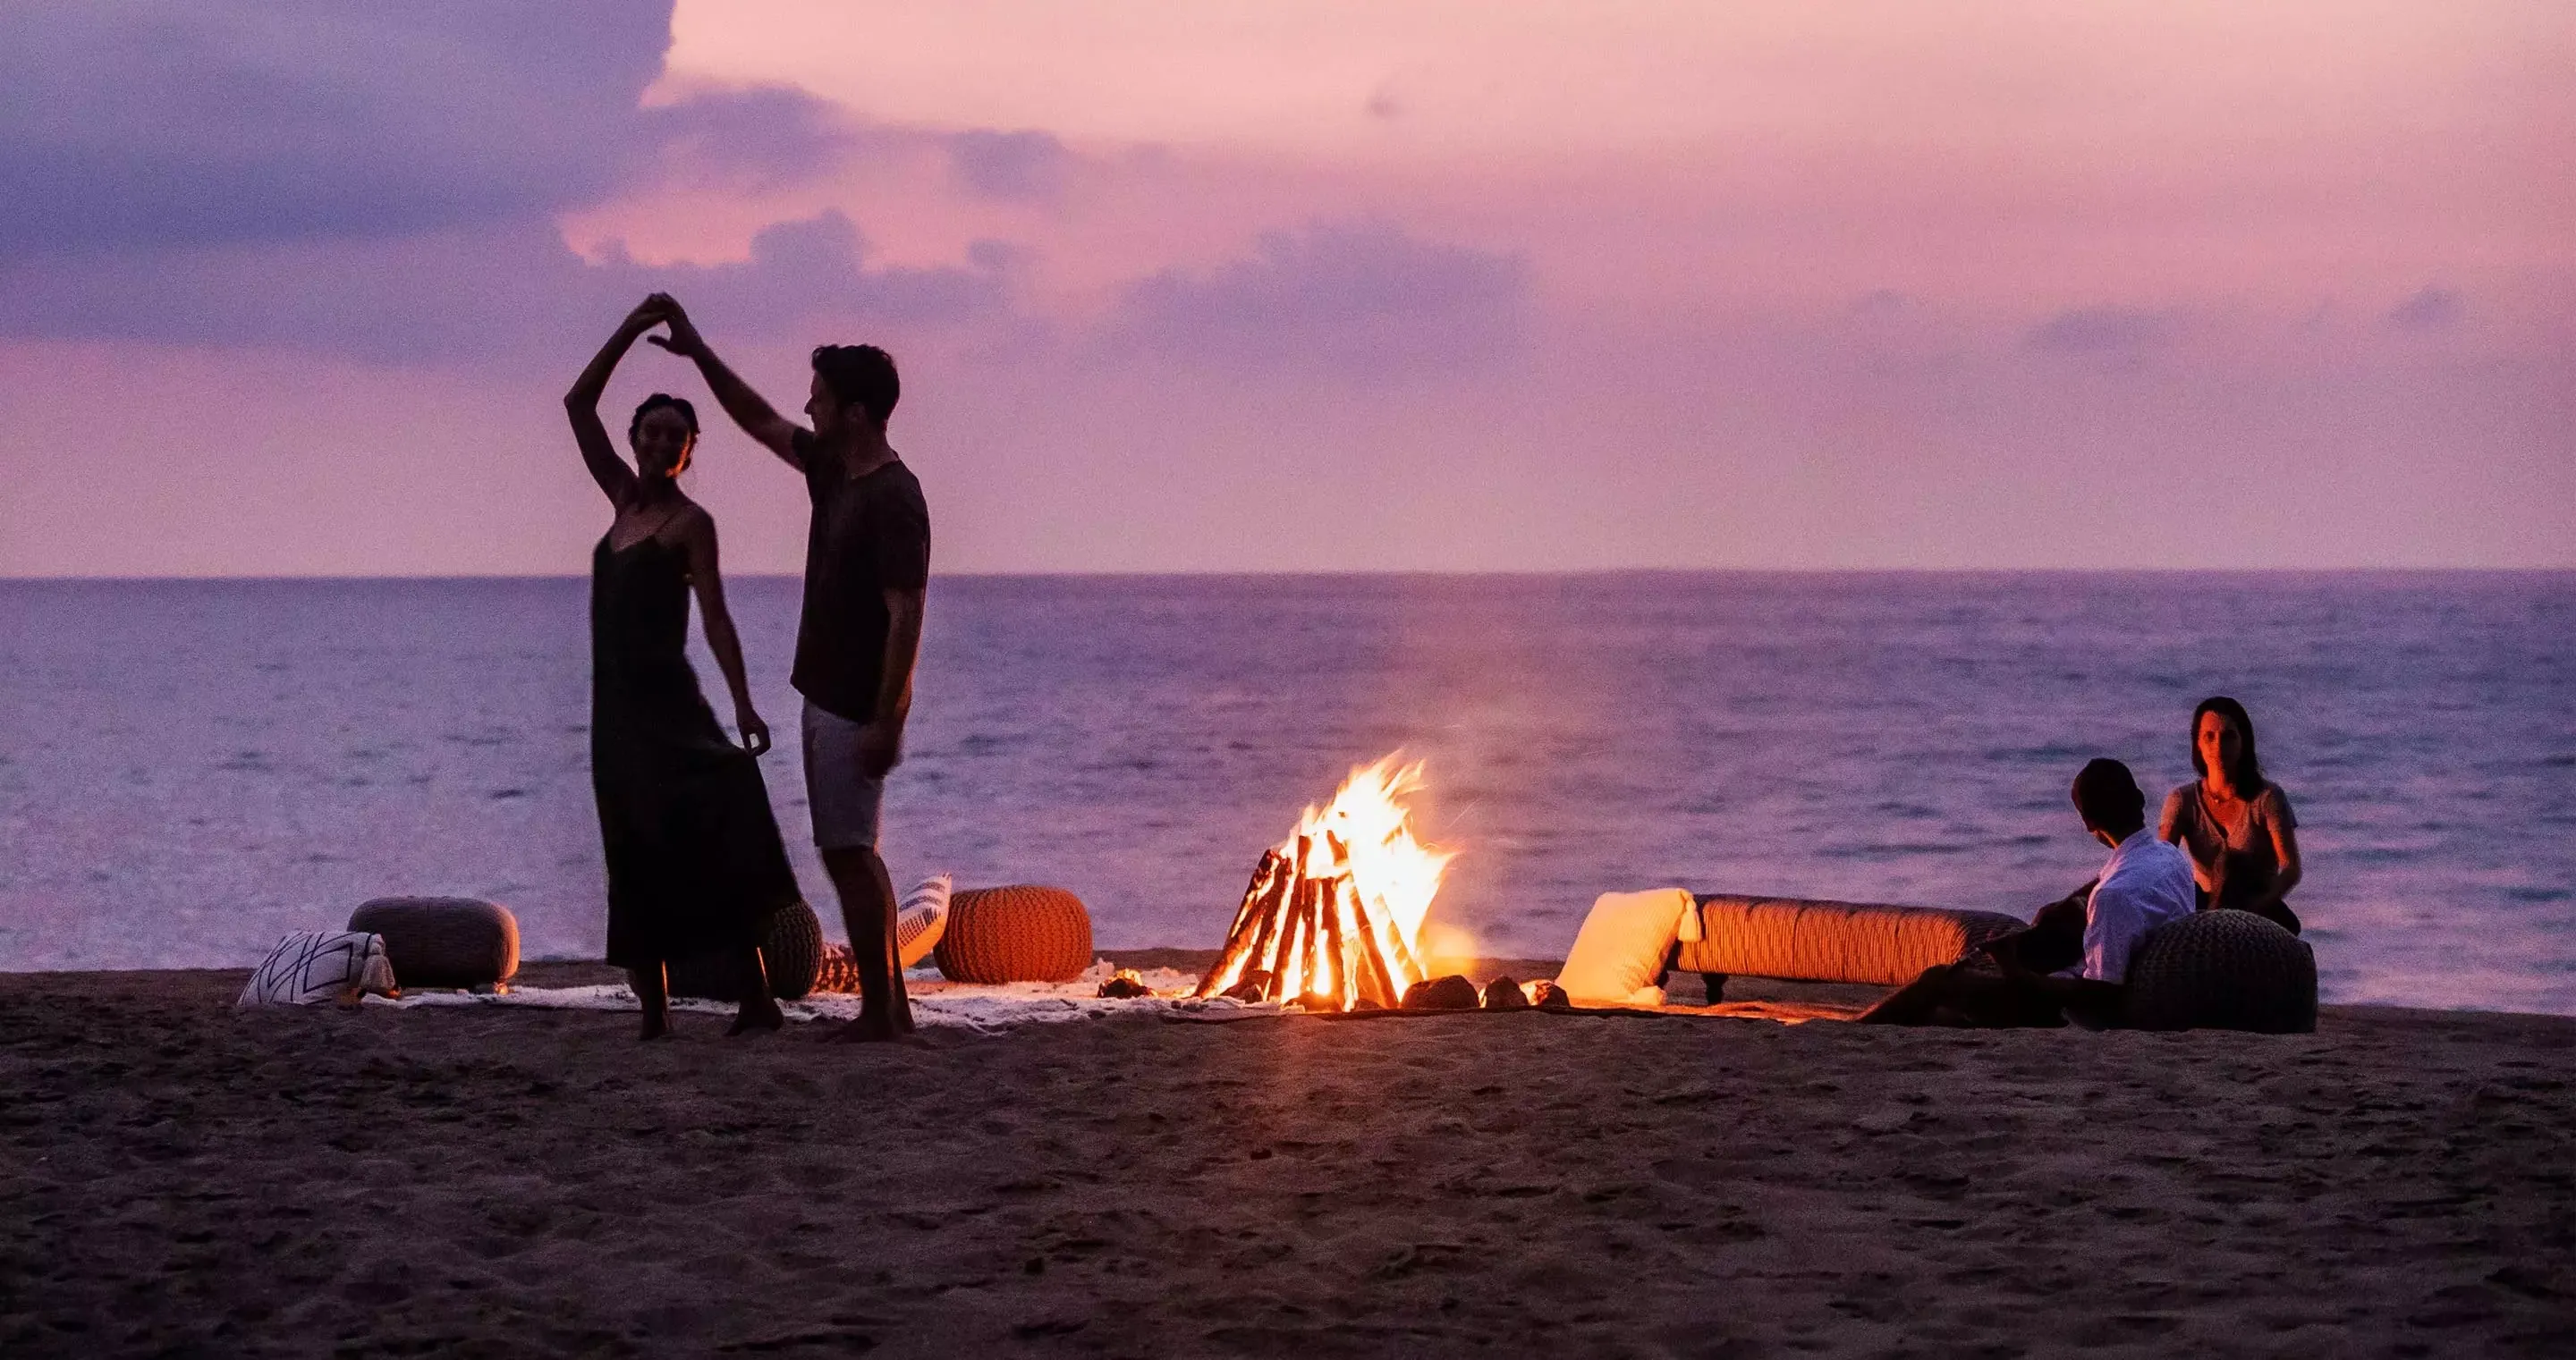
{"x":935,"y":1001}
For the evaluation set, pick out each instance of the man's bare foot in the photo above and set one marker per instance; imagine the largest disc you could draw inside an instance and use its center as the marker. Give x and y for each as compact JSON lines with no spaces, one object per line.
{"x":764,"y":1018}
{"x":657,"y":1025}
{"x":867,"y":1029}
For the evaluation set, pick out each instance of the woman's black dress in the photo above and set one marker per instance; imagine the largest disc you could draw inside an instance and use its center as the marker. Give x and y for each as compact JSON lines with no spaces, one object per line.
{"x":694,"y":860}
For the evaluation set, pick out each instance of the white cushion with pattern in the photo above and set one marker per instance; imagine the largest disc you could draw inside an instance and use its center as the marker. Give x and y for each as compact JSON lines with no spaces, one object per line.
{"x":312,"y":966}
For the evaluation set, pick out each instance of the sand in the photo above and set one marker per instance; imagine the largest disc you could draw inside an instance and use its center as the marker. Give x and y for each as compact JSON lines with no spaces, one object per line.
{"x":178,"y":1178}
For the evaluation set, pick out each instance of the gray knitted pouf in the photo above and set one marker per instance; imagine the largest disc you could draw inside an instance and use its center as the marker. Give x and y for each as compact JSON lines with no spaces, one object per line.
{"x":2223,"y":970}
{"x":443,"y":941}
{"x":792,"y":953}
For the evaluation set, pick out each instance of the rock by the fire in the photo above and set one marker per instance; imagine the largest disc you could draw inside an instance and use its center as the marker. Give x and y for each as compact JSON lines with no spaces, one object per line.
{"x":1255,"y":987}
{"x":1504,"y":994}
{"x":1126,"y":984}
{"x":1553,"y":998}
{"x":1451,"y":993}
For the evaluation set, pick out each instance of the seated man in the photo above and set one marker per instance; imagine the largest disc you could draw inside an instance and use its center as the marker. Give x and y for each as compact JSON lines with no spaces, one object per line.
{"x":2146,"y":883}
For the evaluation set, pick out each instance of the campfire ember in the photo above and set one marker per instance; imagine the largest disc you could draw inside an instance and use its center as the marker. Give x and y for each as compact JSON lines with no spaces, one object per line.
{"x":1333,"y":917}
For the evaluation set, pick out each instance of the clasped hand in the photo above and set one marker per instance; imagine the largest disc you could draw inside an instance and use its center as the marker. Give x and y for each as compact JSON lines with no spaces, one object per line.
{"x":662,"y":309}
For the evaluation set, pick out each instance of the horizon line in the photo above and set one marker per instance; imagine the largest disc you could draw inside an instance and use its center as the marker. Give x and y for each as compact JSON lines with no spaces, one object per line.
{"x":1459,"y":573}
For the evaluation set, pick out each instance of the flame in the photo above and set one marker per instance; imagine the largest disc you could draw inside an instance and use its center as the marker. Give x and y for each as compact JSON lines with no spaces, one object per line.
{"x":1396,"y":874}
{"x":1365,"y":834}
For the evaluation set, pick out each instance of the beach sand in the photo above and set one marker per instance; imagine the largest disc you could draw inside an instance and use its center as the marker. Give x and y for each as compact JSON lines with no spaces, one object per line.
{"x":179,"y":1178}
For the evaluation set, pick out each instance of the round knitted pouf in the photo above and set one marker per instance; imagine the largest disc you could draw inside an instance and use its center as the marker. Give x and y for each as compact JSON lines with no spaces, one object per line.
{"x":443,"y":941}
{"x":1017,"y":934}
{"x":792,"y":953}
{"x":2223,"y":970}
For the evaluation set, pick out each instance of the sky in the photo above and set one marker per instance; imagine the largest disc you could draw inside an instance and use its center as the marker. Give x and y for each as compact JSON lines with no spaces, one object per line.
{"x":295,"y":288}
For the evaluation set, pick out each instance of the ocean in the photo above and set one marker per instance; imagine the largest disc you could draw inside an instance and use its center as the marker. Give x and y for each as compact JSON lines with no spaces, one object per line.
{"x":189,"y":769}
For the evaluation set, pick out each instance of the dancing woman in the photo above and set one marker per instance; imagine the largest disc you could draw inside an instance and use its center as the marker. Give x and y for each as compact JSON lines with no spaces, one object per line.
{"x":2236,"y":825}
{"x":695,"y":865}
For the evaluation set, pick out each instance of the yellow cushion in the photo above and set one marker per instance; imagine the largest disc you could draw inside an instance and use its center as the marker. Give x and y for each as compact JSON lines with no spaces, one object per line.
{"x":1621,"y":948}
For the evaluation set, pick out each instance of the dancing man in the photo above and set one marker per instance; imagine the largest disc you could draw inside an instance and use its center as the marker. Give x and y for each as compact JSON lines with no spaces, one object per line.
{"x":867,"y":561}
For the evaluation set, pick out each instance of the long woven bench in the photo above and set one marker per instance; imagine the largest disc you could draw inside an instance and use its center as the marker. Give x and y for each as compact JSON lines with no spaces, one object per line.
{"x":2209,"y":970}
{"x":1798,"y":940}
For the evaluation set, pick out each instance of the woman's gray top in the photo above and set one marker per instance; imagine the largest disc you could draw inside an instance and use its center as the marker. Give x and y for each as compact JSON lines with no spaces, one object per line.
{"x":2234,"y":861}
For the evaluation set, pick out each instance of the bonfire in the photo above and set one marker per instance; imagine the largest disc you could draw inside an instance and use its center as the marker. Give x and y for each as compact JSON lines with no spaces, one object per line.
{"x":1332,"y":919}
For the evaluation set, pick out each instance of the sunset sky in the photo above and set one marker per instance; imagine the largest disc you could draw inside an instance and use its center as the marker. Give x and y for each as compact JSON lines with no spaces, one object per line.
{"x":295,"y":287}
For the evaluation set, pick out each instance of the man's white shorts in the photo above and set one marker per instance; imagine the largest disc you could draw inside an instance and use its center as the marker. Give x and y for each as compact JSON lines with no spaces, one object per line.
{"x":846,"y":803}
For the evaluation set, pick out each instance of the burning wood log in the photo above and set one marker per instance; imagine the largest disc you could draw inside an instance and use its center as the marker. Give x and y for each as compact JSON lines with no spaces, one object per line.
{"x":1267,"y":877}
{"x":1253,"y":923}
{"x":1296,"y":963}
{"x":1286,"y":977}
{"x":1376,"y":979}
{"x":1335,"y":976}
{"x":1310,"y":950}
{"x":1259,"y":898}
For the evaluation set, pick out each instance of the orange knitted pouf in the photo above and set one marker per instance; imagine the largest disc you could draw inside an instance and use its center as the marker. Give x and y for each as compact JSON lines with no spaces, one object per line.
{"x":1015,"y":934}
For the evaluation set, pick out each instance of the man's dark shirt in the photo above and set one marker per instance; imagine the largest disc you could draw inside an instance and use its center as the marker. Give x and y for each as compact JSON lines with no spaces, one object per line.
{"x":869,"y":536}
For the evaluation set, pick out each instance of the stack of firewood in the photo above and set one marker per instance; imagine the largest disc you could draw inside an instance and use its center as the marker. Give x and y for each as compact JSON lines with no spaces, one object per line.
{"x":1315,"y":940}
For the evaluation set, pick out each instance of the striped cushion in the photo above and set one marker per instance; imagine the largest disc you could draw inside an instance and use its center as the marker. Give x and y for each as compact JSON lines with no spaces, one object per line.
{"x":921,"y":920}
{"x":918,"y":924}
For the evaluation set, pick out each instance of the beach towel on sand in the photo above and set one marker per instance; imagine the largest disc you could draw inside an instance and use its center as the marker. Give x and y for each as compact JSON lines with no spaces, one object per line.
{"x":313,"y":966}
{"x":1621,"y":949}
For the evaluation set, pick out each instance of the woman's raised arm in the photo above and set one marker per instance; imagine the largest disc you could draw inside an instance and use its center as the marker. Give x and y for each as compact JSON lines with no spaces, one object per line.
{"x":581,"y":404}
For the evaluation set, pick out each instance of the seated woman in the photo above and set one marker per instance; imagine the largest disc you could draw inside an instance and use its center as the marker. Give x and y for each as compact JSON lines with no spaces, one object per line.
{"x":2236,"y":825}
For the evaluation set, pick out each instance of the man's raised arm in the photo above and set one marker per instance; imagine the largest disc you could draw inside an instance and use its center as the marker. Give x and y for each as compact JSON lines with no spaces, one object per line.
{"x":756,"y":417}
